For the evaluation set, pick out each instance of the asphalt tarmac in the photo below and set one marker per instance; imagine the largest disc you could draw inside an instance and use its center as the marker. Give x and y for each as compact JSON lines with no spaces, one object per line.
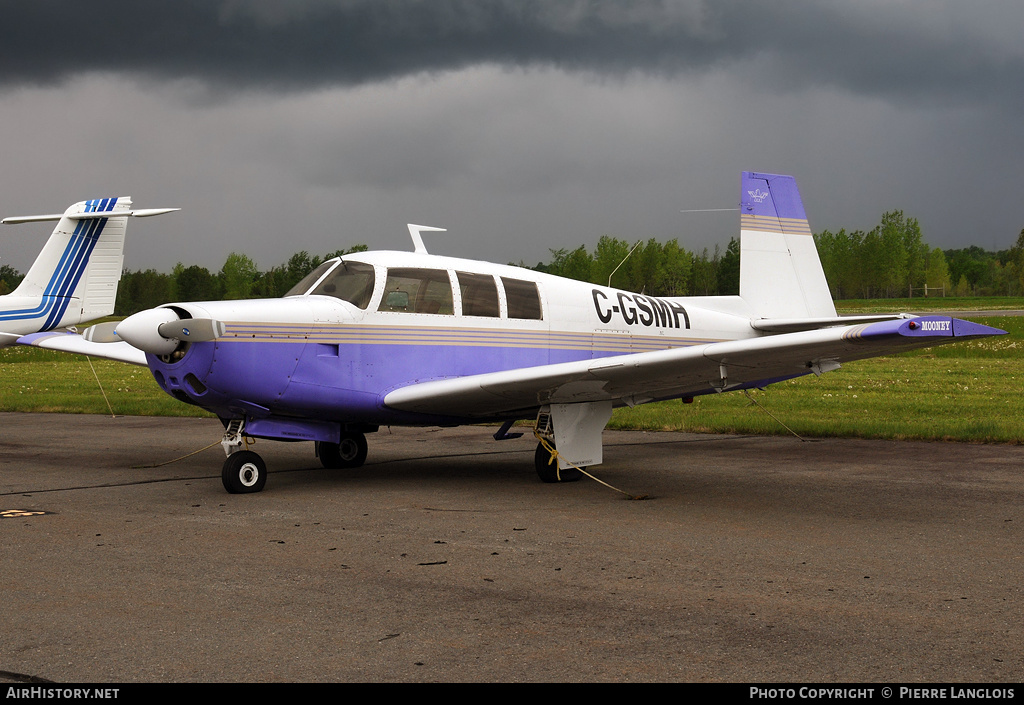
{"x":445,"y":559}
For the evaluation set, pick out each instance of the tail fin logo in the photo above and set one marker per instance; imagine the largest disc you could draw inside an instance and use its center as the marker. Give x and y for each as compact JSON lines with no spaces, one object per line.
{"x":758,"y":195}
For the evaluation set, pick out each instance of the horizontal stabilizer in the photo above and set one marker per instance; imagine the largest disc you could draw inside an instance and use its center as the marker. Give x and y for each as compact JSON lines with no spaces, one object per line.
{"x":791,"y":325}
{"x":140,"y":213}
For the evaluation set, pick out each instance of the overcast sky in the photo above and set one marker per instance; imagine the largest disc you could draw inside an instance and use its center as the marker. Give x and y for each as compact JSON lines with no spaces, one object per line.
{"x":520,"y":126}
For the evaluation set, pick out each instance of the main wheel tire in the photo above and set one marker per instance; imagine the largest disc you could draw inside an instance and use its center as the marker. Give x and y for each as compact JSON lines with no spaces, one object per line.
{"x":349,"y":452}
{"x":548,"y":470}
{"x":244,"y":472}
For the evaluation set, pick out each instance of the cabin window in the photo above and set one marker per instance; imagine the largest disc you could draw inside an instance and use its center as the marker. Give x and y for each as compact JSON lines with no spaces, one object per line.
{"x":523,"y":299}
{"x":350,"y":281}
{"x":479,"y":295}
{"x":310,"y":279}
{"x":418,"y":291}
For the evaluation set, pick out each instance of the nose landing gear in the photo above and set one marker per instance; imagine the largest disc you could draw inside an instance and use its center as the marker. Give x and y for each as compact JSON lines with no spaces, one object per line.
{"x":244,"y":471}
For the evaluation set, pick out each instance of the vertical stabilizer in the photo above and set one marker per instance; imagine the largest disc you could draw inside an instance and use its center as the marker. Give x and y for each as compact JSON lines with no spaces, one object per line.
{"x":76,"y":274}
{"x":780,"y":272}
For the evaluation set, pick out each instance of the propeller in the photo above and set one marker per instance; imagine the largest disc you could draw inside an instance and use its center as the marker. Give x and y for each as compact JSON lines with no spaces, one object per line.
{"x":194,"y":330}
{"x":157,"y":331}
{"x":102,"y":333}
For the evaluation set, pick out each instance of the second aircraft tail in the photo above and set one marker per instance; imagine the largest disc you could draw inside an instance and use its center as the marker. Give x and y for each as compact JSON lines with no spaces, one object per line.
{"x":75,"y":276}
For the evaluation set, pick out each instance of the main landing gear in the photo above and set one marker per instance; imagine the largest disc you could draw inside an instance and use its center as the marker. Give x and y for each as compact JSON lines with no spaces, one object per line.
{"x":545,"y":459}
{"x":547,"y":466}
{"x":349,"y":452}
{"x":245,"y":471}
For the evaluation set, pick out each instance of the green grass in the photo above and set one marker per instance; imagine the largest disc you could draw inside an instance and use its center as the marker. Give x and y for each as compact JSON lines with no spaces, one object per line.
{"x":965,"y":392}
{"x":36,"y":380}
{"x":931,"y":303}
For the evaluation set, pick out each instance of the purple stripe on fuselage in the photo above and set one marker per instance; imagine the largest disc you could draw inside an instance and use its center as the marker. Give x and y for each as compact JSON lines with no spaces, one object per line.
{"x":341,"y":382}
{"x":310,"y":380}
{"x":335,"y":381}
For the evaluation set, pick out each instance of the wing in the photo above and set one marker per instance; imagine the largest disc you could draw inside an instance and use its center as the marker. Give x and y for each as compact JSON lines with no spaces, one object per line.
{"x":74,"y":343}
{"x":699,"y":369}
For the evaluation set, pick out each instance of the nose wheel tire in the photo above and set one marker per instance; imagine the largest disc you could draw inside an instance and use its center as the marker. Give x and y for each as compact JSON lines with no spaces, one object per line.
{"x":547,"y":468}
{"x":349,"y":452}
{"x":244,"y":472}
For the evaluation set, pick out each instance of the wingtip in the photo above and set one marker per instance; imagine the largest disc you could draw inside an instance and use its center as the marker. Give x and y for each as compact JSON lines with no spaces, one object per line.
{"x":970,"y":329}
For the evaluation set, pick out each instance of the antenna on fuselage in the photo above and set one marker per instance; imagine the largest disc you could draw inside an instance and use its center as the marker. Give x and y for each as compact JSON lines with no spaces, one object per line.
{"x":623,"y":262}
{"x":417,"y":241}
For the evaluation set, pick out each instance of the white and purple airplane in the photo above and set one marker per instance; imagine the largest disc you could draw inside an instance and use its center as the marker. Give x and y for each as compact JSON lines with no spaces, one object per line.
{"x":74,"y":278}
{"x":410,"y":338}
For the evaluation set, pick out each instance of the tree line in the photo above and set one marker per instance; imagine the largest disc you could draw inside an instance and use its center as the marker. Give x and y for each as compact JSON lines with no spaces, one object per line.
{"x":892,"y":260}
{"x":239,"y":278}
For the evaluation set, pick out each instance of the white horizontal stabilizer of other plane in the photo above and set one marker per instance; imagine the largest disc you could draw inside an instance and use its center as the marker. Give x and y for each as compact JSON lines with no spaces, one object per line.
{"x":400,"y":338}
{"x":74,"y":278}
{"x":74,"y":215}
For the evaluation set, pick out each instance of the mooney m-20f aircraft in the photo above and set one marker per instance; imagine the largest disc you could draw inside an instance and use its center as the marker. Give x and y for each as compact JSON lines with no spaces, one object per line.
{"x":393,"y":338}
{"x":75,"y":277}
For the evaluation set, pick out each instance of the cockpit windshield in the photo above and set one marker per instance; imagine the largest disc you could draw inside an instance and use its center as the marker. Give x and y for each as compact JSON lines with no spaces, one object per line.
{"x":310,"y":279}
{"x":349,"y":281}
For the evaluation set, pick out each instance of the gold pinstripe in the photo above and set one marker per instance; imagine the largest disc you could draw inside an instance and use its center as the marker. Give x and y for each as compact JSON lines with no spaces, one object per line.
{"x":459,"y":337}
{"x":789,"y":226}
{"x":854,"y":334}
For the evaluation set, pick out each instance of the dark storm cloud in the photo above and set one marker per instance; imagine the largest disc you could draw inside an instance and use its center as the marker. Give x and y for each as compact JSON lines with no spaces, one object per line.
{"x":521,"y":126}
{"x":946,"y":52}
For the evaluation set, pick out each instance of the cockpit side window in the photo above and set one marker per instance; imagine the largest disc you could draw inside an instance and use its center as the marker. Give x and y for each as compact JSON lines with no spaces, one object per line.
{"x":310,"y":279}
{"x":350,"y":281}
{"x":411,"y":290}
{"x":479,"y":295}
{"x":523,"y":299}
